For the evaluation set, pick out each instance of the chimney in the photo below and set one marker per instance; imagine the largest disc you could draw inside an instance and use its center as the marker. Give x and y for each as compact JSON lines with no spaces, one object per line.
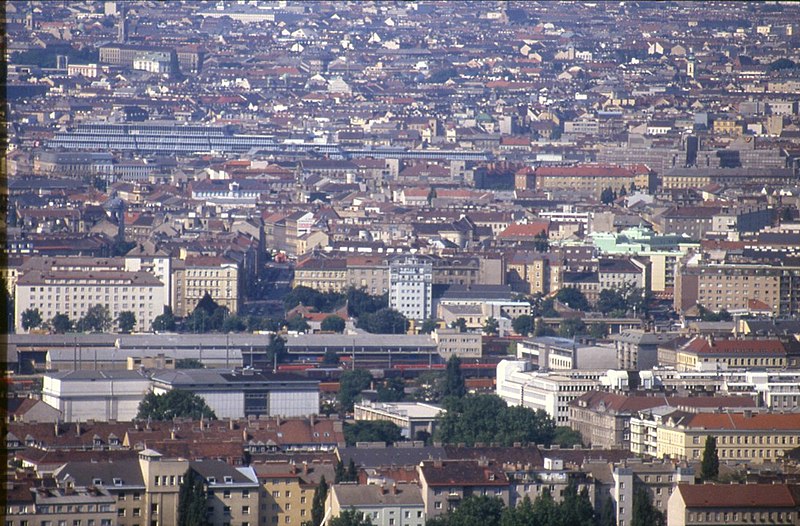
{"x":383,"y":488}
{"x":748,"y":413}
{"x":172,"y":434}
{"x":394,"y":488}
{"x":305,"y":467}
{"x":78,"y":428}
{"x":278,"y":420}
{"x":231,"y":425}
{"x":312,"y":420}
{"x":56,"y":428}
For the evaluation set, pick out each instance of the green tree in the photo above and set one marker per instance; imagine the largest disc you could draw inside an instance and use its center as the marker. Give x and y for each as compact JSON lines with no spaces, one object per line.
{"x":608,"y":514}
{"x":428,"y":326}
{"x":571,"y":327}
{"x":318,"y":502}
{"x":491,"y":326}
{"x":460,"y":324}
{"x":276,"y":350}
{"x":598,"y":330}
{"x":487,"y":418}
{"x":31,"y":318}
{"x":350,"y":386}
{"x":477,"y":511}
{"x":126,"y":321}
{"x":523,"y":325}
{"x":623,"y":191}
{"x":330,"y":357}
{"x":541,"y":242}
{"x":709,"y":467}
{"x":173,"y":404}
{"x":548,"y":309}
{"x":607,"y":196}
{"x":339,"y":472}
{"x":351,"y":518}
{"x":520,"y":515}
{"x":189,"y":363}
{"x":372,"y":431}
{"x":384,"y":321}
{"x":207,"y":304}
{"x":644,"y":513}
{"x":96,"y":319}
{"x":391,"y":390}
{"x":333,"y":323}
{"x":234,"y":323}
{"x":545,"y":509}
{"x":164,"y":322}
{"x":192,"y":500}
{"x":61,"y":323}
{"x":430,"y":387}
{"x":542,"y":329}
{"x":567,"y":437}
{"x":359,"y":302}
{"x":297,"y":324}
{"x":454,"y":384}
{"x":575,"y":508}
{"x":573,"y":298}
{"x":611,"y":300}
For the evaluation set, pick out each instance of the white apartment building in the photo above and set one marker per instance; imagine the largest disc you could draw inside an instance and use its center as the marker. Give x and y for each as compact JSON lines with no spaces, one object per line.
{"x":517,"y":384}
{"x":72,"y":285}
{"x":97,"y":395}
{"x":411,"y":286}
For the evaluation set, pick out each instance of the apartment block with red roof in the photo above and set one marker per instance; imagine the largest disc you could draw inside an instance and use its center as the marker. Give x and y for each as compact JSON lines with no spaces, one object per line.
{"x":734,"y":504}
{"x":703,"y":354}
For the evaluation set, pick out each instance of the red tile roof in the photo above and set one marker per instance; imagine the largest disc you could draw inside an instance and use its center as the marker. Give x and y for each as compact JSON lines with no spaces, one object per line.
{"x":584,"y":170}
{"x":740,"y":421}
{"x":737,"y":496}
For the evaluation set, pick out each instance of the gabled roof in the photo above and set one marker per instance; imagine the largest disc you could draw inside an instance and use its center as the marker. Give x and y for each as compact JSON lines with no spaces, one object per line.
{"x":738,"y":496}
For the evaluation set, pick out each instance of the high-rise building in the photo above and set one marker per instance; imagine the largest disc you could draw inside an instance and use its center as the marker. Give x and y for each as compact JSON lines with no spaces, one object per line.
{"x":411,"y":284}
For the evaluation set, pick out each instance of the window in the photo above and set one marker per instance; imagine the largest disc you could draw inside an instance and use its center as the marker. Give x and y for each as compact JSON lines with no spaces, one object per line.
{"x":137,"y":512}
{"x":246,"y":494}
{"x":245,"y":510}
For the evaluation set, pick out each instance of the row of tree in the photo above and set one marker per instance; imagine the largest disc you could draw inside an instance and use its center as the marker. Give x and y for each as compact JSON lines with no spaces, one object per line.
{"x":97,"y":319}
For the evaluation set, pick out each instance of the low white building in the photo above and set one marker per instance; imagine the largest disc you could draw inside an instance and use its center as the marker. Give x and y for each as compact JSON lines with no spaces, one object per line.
{"x":238,"y":394}
{"x":97,"y":395}
{"x":410,"y":417}
{"x":518,"y":384}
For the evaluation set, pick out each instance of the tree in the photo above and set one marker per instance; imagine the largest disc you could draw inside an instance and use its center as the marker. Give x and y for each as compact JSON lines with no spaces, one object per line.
{"x":276,"y":350}
{"x":487,"y":418}
{"x":384,"y":321}
{"x":126,"y":321}
{"x":644,"y":513}
{"x":207,"y":304}
{"x":297,"y":324}
{"x":428,"y":326}
{"x":491,"y":326}
{"x":164,"y":322}
{"x":709,"y":468}
{"x":351,"y":518}
{"x":608,"y":514}
{"x":573,"y":298}
{"x":333,"y":323}
{"x":96,"y":319}
{"x":548,"y":309}
{"x":454,"y":384}
{"x":786,"y":215}
{"x":477,"y":511}
{"x":523,"y":324}
{"x":598,"y":330}
{"x":623,"y":191}
{"x":350,"y":386}
{"x":189,"y":363}
{"x":607,"y":196}
{"x":541,"y":242}
{"x":542,"y":329}
{"x":430,"y":387}
{"x":567,"y":437}
{"x":192,"y":500}
{"x":391,"y":390}
{"x":359,"y":302}
{"x":372,"y":431}
{"x":234,"y":323}
{"x":61,"y":323}
{"x":571,"y":327}
{"x":460,"y":324}
{"x":31,"y":318}
{"x":318,"y":502}
{"x":611,"y":300}
{"x":331,"y":357}
{"x":173,"y":404}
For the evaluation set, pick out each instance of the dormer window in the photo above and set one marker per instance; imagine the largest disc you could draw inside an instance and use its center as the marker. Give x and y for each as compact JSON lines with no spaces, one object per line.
{"x":212,"y":480}
{"x":117,"y":482}
{"x":228,"y":480}
{"x":97,"y":482}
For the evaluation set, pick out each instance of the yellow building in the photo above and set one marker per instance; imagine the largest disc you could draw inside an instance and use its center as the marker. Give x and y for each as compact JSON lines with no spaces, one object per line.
{"x":528,"y":273}
{"x":287,"y":490}
{"x":741,"y":437}
{"x":703,"y":354}
{"x":196,"y":276}
{"x":324,"y":275}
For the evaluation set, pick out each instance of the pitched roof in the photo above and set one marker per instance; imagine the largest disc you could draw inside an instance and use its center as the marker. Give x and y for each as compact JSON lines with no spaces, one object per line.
{"x":737,"y":496}
{"x":742,"y":421}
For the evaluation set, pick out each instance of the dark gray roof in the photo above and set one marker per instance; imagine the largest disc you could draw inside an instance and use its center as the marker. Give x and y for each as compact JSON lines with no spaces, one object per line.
{"x":122,"y":473}
{"x":390,"y":456}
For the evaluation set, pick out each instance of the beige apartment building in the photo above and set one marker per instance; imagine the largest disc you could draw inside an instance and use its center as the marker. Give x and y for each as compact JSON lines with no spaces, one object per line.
{"x":72,"y":285}
{"x":324,"y":275}
{"x":734,"y":504}
{"x":741,"y":437}
{"x":195,"y":276}
{"x":738,"y":287}
{"x":287,"y":489}
{"x":590,"y":179}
